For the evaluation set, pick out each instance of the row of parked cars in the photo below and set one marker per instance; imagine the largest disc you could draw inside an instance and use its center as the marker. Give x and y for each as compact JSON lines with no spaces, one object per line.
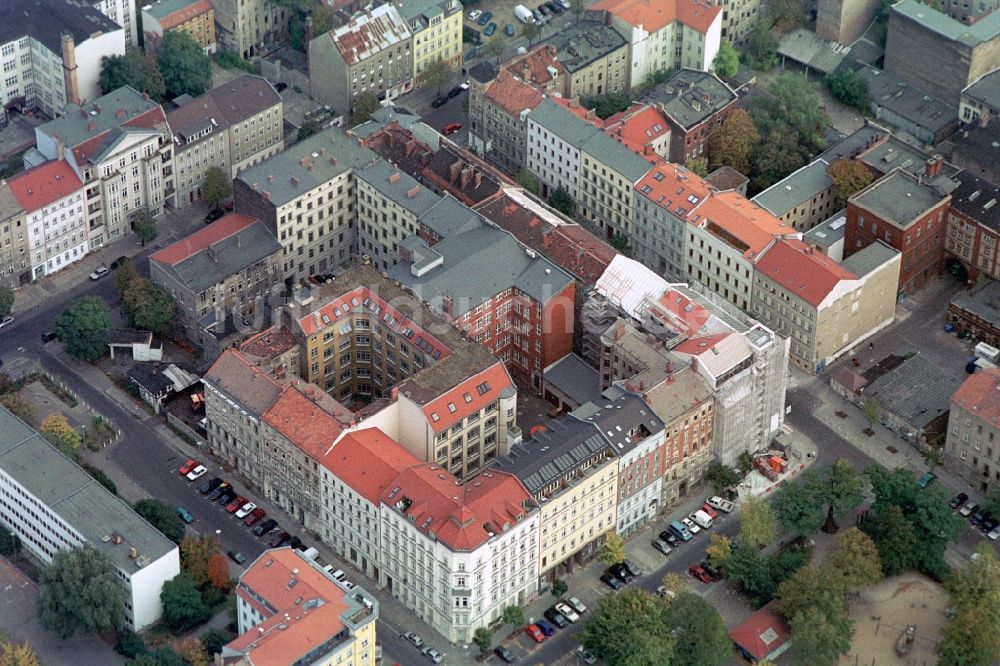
{"x":562,"y":614}
{"x":989,"y":525}
{"x":414,"y":638}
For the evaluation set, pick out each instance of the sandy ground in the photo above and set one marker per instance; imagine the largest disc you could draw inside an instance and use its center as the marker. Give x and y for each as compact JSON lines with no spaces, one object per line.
{"x":881,"y":614}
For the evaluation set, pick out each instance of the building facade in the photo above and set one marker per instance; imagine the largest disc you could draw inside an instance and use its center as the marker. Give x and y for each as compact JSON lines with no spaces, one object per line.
{"x":555,"y":140}
{"x":972,"y":446}
{"x":15,"y":264}
{"x":499,"y":104}
{"x":436,"y":26}
{"x":694,"y":103}
{"x":972,"y":235}
{"x":248,"y":27}
{"x":593,"y":59}
{"x":608,"y":176}
{"x":195,"y":17}
{"x":803,"y":199}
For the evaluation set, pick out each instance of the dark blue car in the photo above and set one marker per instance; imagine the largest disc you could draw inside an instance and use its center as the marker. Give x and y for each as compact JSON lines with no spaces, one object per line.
{"x":546,"y":628}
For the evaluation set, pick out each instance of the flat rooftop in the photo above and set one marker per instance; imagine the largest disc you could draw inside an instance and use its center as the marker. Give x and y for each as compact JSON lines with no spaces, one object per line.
{"x":796,"y":189}
{"x":580,"y":44}
{"x":690,"y":96}
{"x":906,"y":101}
{"x":898,"y":198}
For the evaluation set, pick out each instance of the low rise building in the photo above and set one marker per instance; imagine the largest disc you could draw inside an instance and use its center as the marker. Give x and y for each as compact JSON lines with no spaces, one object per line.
{"x":694,"y":103}
{"x":372,"y":54}
{"x":436,"y":26}
{"x":828,"y":236}
{"x":977,"y":312}
{"x":972,"y":235}
{"x":593,"y":57}
{"x":288,"y":610}
{"x":972,"y":446}
{"x":221,"y":278}
{"x":803,"y":199}
{"x":52,"y":505}
{"x":981,"y":99}
{"x":250,"y":27}
{"x":52,"y":198}
{"x":15,"y":262}
{"x":195,"y":17}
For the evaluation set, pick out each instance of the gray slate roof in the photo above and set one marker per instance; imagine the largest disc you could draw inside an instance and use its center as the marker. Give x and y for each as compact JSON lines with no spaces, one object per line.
{"x":73,"y":128}
{"x":690,"y":96}
{"x":235,"y":377}
{"x":978,"y":200}
{"x":616,"y":156}
{"x":563,"y":123}
{"x":970,"y":35}
{"x":796,"y":189}
{"x":75,"y":496}
{"x":827,"y":233}
{"x":378,"y":174}
{"x":330,"y":153}
{"x":918,"y":391}
{"x":580,"y":44}
{"x":869,"y":258}
{"x":908,"y":102}
{"x":983,"y":301}
{"x":985,"y":89}
{"x":575,"y":378}
{"x":47,"y":20}
{"x":449,"y":216}
{"x":618,"y":413}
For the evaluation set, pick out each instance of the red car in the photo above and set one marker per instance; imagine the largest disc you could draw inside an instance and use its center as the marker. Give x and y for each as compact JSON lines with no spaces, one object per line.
{"x":699,"y":573}
{"x":451,"y":128}
{"x":254,"y":517}
{"x":535,"y":633}
{"x":710,"y":511}
{"x":188,"y":465}
{"x":236,"y":504}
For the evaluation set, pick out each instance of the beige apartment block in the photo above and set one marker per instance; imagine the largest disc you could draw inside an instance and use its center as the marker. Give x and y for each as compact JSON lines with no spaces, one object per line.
{"x":245,"y":26}
{"x":972,"y":447}
{"x":436,"y":26}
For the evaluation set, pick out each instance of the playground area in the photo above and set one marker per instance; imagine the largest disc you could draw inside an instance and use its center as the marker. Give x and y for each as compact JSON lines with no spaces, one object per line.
{"x":881,"y":615}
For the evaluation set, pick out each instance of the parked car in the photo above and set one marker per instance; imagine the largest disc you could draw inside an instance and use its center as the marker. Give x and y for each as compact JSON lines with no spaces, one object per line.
{"x":214,"y":215}
{"x":48,"y":336}
{"x":716,"y":574}
{"x":622,"y":572}
{"x":219,"y":490}
{"x":680,"y":530}
{"x":255,"y":517}
{"x":968,"y":509}
{"x":712,"y":513}
{"x":236,"y":556}
{"x":988,"y":524}
{"x":451,"y":128}
{"x":662,"y":546}
{"x":294,"y":542}
{"x":668,"y":536}
{"x":227,"y":496}
{"x":236,"y":504}
{"x":632,"y":567}
{"x":509,"y":30}
{"x":566,"y":611}
{"x":439,"y":102}
{"x":699,"y":573}
{"x":546,"y":628}
{"x":576,"y":605}
{"x":99,"y":273}
{"x":611,"y":581}
{"x":339,"y":575}
{"x":926,"y":480}
{"x":432,"y":654}
{"x":539,"y":17}
{"x":490,"y":29}
{"x":691,"y":525}
{"x":701,"y":519}
{"x":209,"y":486}
{"x":455,"y":92}
{"x":118,"y":262}
{"x":185,"y":515}
{"x":279,"y":539}
{"x":188,"y":465}
{"x":535,"y":633}
{"x":994,"y":534}
{"x":584,"y":656}
{"x":977,"y":518}
{"x":958,"y":500}
{"x":485,"y":18}
{"x":414,"y":638}
{"x":556,"y":618}
{"x":6,"y":321}
{"x":245,"y":510}
{"x":543,"y":9}
{"x":265,"y":527}
{"x":722,"y":505}
{"x":504,"y":654}
{"x":197,"y":473}
{"x":474,"y":14}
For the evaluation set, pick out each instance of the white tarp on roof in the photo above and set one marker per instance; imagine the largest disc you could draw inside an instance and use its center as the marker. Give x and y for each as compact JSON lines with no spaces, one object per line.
{"x":627,"y":284}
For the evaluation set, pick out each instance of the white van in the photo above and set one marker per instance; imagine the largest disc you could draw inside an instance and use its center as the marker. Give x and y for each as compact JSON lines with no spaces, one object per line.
{"x":703,"y":519}
{"x":524,"y":14}
{"x":310,"y":553}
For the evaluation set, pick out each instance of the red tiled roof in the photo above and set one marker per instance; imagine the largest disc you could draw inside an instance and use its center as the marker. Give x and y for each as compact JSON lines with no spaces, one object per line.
{"x":654,"y":15}
{"x":638,"y":126}
{"x":185,"y":14}
{"x":368,"y":461}
{"x":460,"y":516}
{"x":457,"y":403}
{"x":980,"y":395}
{"x":202,"y":239}
{"x":763,"y":633}
{"x":290,"y":632}
{"x":44,"y":184}
{"x":512,"y":94}
{"x":297,"y":415}
{"x":741,"y":219}
{"x":801,"y":270}
{"x":689,"y":317}
{"x":269,"y":343}
{"x":671,"y":186}
{"x":698,"y":346}
{"x":534,"y":65}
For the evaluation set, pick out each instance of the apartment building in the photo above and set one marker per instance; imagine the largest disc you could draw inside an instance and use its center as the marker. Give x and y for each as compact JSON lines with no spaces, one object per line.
{"x":907,"y":214}
{"x":972,"y":234}
{"x":608,"y":176}
{"x":499,"y":103}
{"x":15,"y":264}
{"x":221,"y":278}
{"x":390,"y":205}
{"x":803,"y":199}
{"x":372,"y":54}
{"x":307,"y":197}
{"x":980,"y":98}
{"x":672,"y":34}
{"x":232,"y":126}
{"x":523,"y":315}
{"x":593,"y":58}
{"x":824,"y":308}
{"x":694,"y":103}
{"x":195,"y":17}
{"x":120,"y":146}
{"x":975,"y":312}
{"x":250,"y":27}
{"x":289,"y":610}
{"x":643,"y":128}
{"x":739,"y":17}
{"x":555,"y":141}
{"x":52,"y":198}
{"x":51,"y":504}
{"x":577,"y":498}
{"x":51,"y":53}
{"x":436,"y":27}
{"x":971,"y":446}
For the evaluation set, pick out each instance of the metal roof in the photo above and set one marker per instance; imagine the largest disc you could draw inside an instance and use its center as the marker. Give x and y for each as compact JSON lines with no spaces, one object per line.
{"x":918,"y":391}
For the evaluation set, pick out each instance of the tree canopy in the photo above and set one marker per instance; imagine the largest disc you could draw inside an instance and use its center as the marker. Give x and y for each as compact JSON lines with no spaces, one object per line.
{"x":629,"y":628}
{"x":732,"y":142}
{"x":758,"y":523}
{"x":195,"y":554}
{"x":727,"y":61}
{"x":83,"y":328}
{"x":217,"y":186}
{"x":799,"y":505}
{"x":144,"y":226}
{"x":562,"y":202}
{"x":365,"y":105}
{"x":148,"y":307}
{"x":185,"y":67}
{"x":528,"y":181}
{"x":162,"y":517}
{"x":17,"y":654}
{"x":849,"y":176}
{"x":847,"y":86}
{"x":6,"y":301}
{"x":608,"y":105}
{"x":132,"y":69}
{"x":483,"y":639}
{"x":700,"y":637}
{"x":971,"y":636}
{"x":182,"y":604}
{"x":722,"y":476}
{"x":614,"y":548}
{"x":437,"y":73}
{"x":856,"y":561}
{"x":80,"y":593}
{"x":57,"y":430}
{"x":761,"y":48}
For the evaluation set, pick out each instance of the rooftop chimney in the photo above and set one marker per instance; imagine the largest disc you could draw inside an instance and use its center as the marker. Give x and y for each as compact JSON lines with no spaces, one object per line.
{"x":120,"y":113}
{"x":412,"y":192}
{"x":933,"y":166}
{"x":453,"y":171}
{"x":295,"y":181}
{"x":69,"y":68}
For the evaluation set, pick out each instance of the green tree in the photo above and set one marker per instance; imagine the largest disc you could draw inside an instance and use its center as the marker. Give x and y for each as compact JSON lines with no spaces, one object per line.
{"x":196,"y":551}
{"x":849,"y":176}
{"x":799,"y":505}
{"x":19,"y":406}
{"x":967,"y":640}
{"x":185,"y":67}
{"x":847,"y":86}
{"x":214,"y":640}
{"x":365,"y":105}
{"x":745,"y":463}
{"x":80,"y":593}
{"x":790,"y":558}
{"x":162,"y":517}
{"x":6,"y":301}
{"x":10,"y":543}
{"x":528,"y":181}
{"x":978,"y":584}
{"x":727,"y":61}
{"x":697,"y":165}
{"x":83,"y":328}
{"x":495,"y":47}
{"x":749,"y":572}
{"x":856,"y":561}
{"x":732,"y":142}
{"x":161,"y":656}
{"x":514,"y":616}
{"x":894,"y":537}
{"x":148,"y":307}
{"x":722,"y":477}
{"x":621,"y":243}
{"x":100,"y":477}
{"x":614,"y":548}
{"x":629,"y":628}
{"x":60,"y":434}
{"x":761,"y":49}
{"x":17,"y":654}
{"x":700,"y":637}
{"x":608,"y":105}
{"x":144,"y":226}
{"x":437,"y":73}
{"x":483,"y":639}
{"x":322,"y":16}
{"x":819,"y":639}
{"x":125,"y":276}
{"x":130,"y":644}
{"x":132,"y":69}
{"x":719,"y":549}
{"x":787,"y":14}
{"x":217,"y":187}
{"x":811,"y":587}
{"x":562,"y":202}
{"x":871,"y":411}
{"x":793,"y":105}
{"x":673,"y":585}
{"x":991,"y":507}
{"x":531,"y":32}
{"x":182,"y":604}
{"x":576,"y":7}
{"x":758,"y":523}
{"x":559,"y":587}
{"x":774,"y":157}
{"x":307,"y":129}
{"x":841,"y":490}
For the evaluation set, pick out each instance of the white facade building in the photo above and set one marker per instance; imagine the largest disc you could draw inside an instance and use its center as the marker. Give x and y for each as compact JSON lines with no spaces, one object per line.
{"x":53,"y":201}
{"x":121,"y":12}
{"x":52,"y":505}
{"x":555,"y":138}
